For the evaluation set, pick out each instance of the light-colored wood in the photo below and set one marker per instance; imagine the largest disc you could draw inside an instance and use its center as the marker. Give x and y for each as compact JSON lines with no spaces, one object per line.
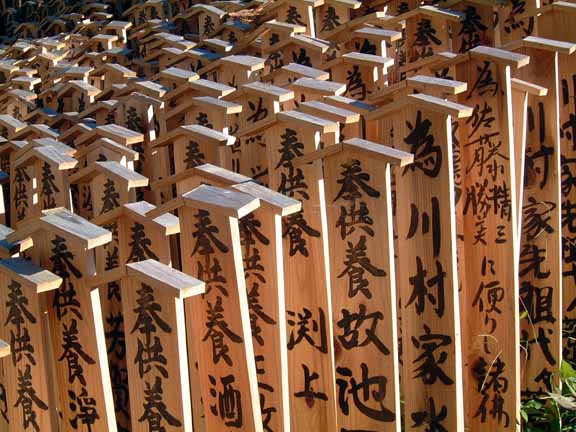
{"x":218,"y":329}
{"x":30,"y":403}
{"x":306,"y":268}
{"x":363,"y":286}
{"x":153,"y":307}
{"x":490,"y":284}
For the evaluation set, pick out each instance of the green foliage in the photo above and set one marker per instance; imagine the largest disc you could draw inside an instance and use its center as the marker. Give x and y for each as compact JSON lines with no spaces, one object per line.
{"x":555,"y":411}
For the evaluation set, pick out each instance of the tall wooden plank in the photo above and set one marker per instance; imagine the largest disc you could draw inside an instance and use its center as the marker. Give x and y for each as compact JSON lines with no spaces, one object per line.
{"x":306,"y":268}
{"x":427,"y":270}
{"x":490,"y":281}
{"x":359,"y":217}
{"x":541,"y":239}
{"x":153,"y":304}
{"x":218,"y":328}
{"x":29,"y":402}
{"x":63,"y":243}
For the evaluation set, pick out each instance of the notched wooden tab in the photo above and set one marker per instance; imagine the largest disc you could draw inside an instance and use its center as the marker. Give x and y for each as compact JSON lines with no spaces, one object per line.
{"x":441,"y":105}
{"x":543,"y":44}
{"x":167,"y":280}
{"x":528,"y":87}
{"x":277,"y":202}
{"x":449,"y":87}
{"x":223,"y":106}
{"x":307,"y":120}
{"x":48,"y":154}
{"x":120,"y":134}
{"x":220,"y":175}
{"x":379,"y":151}
{"x":168,"y":222}
{"x":500,"y":56}
{"x":306,"y":71}
{"x":196,"y":132}
{"x":279,"y":94}
{"x":330,"y":112}
{"x":324,"y":88}
{"x":30,"y":275}
{"x":223,"y":201}
{"x":349,"y":104}
{"x":368,"y":59}
{"x":63,"y":222}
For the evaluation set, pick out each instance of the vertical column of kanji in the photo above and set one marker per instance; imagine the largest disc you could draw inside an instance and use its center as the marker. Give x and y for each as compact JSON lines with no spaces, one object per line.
{"x":306,"y":268}
{"x":20,"y":193}
{"x":359,"y":217}
{"x":63,"y":243}
{"x":261,"y":240}
{"x":557,"y":22}
{"x":490,"y":245}
{"x":218,"y":322}
{"x":476,"y":28}
{"x":427,"y":271}
{"x":54,"y":190}
{"x":153,"y":302}
{"x":540,"y":243}
{"x":108,"y":193}
{"x":426,"y":34}
{"x":139,"y":115}
{"x":29,"y":403}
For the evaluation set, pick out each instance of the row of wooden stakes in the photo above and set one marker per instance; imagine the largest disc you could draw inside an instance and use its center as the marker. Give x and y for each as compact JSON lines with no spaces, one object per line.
{"x":277,"y":233}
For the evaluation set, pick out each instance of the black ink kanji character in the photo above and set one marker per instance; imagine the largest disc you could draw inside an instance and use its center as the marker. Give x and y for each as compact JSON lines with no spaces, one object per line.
{"x":306,"y":326}
{"x":531,"y":259}
{"x":430,"y":223}
{"x":538,"y":302}
{"x":308,"y":392}
{"x":489,"y":294}
{"x":429,"y":369}
{"x":194,"y":156}
{"x":293,"y":16}
{"x":73,"y":352}
{"x":155,"y":409}
{"x":229,"y":403}
{"x":133,"y":121}
{"x":331,"y":20}
{"x":485,"y":81}
{"x":140,"y":245}
{"x":423,"y":286}
{"x":217,"y":331}
{"x":425,"y":37}
{"x":27,"y":399}
{"x":355,"y":85}
{"x":111,"y":197}
{"x":301,"y":58}
{"x":209,"y":26}
{"x":427,"y":155}
{"x":295,"y":226}
{"x":49,"y":187}
{"x":360,"y":324}
{"x":148,"y":321}
{"x":85,"y":409}
{"x":115,"y":336}
{"x":257,"y":312}
{"x":356,"y":264}
{"x":258,"y":111}
{"x":536,"y":216}
{"x":430,"y":418}
{"x":471,"y":29}
{"x":367,"y":390}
